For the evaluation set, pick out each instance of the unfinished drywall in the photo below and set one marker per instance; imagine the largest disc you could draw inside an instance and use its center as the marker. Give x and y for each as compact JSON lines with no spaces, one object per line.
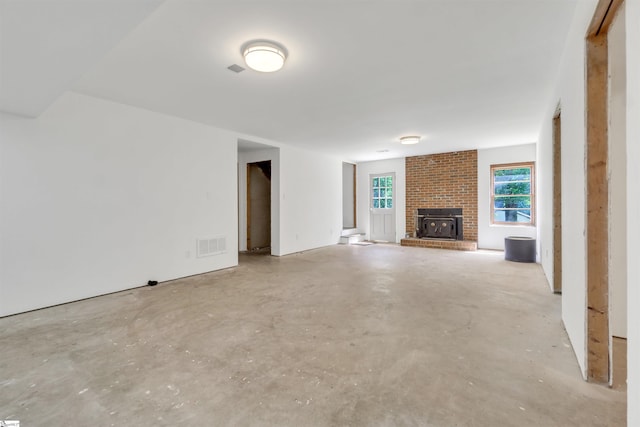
{"x":570,"y":94}
{"x":632,"y":11}
{"x":363,"y":171}
{"x":617,"y":178}
{"x":491,"y":236}
{"x":310,"y":200}
{"x":273,"y":155}
{"x":97,"y":197}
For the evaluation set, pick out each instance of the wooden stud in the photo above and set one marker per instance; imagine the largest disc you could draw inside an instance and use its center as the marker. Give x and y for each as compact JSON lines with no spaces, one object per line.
{"x":557,"y":204}
{"x":603,"y":17}
{"x":597,"y":197}
{"x":597,"y":224}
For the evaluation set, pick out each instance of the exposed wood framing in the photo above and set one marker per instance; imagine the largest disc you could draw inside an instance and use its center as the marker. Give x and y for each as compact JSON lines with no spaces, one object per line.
{"x":603,"y":17}
{"x":597,"y":216}
{"x":597,"y":221}
{"x":557,"y":204}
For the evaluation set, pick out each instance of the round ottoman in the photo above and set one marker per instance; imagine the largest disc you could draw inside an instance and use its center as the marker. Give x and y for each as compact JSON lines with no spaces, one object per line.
{"x":520,"y":249}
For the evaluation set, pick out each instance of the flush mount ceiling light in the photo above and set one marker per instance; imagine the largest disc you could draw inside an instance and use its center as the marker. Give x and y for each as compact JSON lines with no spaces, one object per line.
{"x":409,"y":140}
{"x":264,"y":56}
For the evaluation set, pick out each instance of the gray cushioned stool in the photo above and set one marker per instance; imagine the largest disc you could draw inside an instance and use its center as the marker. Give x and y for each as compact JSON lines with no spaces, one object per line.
{"x":520,"y":249}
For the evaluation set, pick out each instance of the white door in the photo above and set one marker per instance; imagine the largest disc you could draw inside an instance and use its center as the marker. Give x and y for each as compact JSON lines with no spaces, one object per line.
{"x":383,"y":207}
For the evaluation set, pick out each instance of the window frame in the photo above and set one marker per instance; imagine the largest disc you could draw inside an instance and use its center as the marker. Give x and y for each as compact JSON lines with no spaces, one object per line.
{"x":385,"y":187}
{"x":532,"y":192}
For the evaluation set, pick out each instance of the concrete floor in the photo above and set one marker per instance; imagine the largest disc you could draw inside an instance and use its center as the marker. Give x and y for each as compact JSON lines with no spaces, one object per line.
{"x":344,"y":335}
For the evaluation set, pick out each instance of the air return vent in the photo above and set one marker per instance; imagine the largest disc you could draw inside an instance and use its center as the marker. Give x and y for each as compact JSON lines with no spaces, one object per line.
{"x":235,"y":68}
{"x":214,"y":246}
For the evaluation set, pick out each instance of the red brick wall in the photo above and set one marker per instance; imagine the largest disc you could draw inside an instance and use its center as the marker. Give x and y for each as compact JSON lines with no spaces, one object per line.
{"x":447,"y":180}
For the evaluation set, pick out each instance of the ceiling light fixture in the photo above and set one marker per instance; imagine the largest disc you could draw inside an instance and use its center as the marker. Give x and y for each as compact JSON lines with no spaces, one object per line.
{"x":264,"y":56}
{"x":409,"y":140}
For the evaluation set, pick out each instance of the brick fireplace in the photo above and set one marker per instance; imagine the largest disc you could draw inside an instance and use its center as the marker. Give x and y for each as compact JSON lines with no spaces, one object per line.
{"x":443,"y":181}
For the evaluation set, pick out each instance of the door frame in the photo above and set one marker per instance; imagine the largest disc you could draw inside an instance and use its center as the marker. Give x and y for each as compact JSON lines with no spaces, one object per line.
{"x":598,"y":339}
{"x":248,"y":203}
{"x":371,"y":208}
{"x":557,"y":201}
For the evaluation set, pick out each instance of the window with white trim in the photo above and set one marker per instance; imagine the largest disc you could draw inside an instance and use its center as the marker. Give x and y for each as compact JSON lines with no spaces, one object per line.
{"x":382,"y":192}
{"x":512,"y":194}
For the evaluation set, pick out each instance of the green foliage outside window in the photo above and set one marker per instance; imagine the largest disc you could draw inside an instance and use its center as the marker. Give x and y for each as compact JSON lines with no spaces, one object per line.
{"x":382,"y":192}
{"x":512,"y":194}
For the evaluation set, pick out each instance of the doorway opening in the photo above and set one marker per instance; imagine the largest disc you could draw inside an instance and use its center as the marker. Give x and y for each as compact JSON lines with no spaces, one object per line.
{"x":259,"y":207}
{"x":382,"y":207}
{"x":602,"y":111}
{"x":348,"y":196}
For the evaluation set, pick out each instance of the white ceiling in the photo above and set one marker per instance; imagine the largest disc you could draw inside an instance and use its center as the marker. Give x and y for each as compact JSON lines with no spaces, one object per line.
{"x":46,"y":45}
{"x":463,"y":73}
{"x":246,"y":146}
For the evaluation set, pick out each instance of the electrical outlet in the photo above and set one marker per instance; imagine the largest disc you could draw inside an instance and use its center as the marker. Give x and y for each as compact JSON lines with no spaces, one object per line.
{"x":187,"y":254}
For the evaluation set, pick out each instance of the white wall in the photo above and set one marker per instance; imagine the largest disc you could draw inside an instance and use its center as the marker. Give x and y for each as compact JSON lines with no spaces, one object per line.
{"x":306,"y":198}
{"x":310,"y":200}
{"x":570,"y":92}
{"x":97,"y":197}
{"x":363,"y":170}
{"x":492,"y":236}
{"x":617,"y":178}
{"x":272,"y":154}
{"x":633,"y":209}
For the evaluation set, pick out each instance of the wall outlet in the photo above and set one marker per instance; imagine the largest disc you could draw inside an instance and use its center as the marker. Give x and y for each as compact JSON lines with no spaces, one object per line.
{"x":187,"y":254}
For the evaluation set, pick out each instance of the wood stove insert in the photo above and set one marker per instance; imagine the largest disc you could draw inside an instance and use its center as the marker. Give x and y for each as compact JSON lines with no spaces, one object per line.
{"x":443,"y":223}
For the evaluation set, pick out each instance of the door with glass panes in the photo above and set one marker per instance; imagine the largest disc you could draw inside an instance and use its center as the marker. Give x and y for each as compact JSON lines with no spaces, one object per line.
{"x":382,"y":223}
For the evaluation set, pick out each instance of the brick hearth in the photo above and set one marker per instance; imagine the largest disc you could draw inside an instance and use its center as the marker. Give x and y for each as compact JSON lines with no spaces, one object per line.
{"x":459,"y":245}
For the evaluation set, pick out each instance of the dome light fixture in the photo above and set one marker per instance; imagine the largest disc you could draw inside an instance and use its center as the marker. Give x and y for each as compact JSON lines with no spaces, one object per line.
{"x":407,"y":140}
{"x":264,"y":56}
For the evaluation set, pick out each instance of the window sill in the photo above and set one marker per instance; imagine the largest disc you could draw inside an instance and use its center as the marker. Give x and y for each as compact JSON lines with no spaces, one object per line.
{"x":513,"y":225}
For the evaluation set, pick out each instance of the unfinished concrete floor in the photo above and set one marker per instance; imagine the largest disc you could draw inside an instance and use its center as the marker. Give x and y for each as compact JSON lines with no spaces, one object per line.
{"x":345,"y":335}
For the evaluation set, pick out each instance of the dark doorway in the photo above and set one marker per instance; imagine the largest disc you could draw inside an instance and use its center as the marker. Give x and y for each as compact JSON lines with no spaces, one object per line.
{"x":259,"y":207}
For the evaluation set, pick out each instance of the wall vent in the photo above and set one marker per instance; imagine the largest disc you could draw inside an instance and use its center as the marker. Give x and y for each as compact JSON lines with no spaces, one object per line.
{"x":235,"y":68}
{"x":213,"y":246}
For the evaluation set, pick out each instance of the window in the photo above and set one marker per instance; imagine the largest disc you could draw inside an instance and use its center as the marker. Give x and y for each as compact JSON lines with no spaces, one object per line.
{"x":382,"y":189}
{"x":512,"y":194}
